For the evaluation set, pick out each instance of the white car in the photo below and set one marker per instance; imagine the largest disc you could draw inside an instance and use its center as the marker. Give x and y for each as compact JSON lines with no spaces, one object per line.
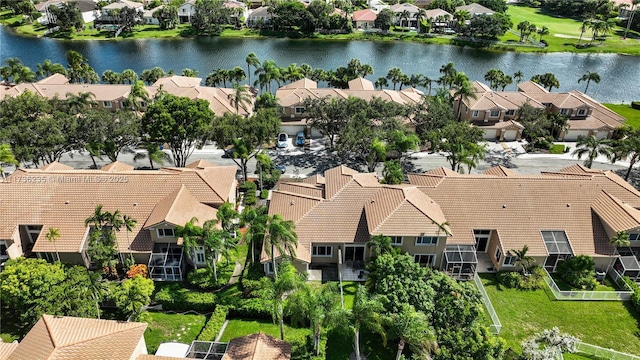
{"x":283,"y":139}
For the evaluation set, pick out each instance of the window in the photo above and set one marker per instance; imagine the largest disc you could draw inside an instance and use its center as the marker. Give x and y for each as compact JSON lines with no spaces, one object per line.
{"x":582,"y":112}
{"x":511,"y":112}
{"x":322,"y":251}
{"x":509,"y":261}
{"x":426,"y":240}
{"x":165,"y":233}
{"x":498,"y":255}
{"x":547,"y":104}
{"x":494,"y":113}
{"x":564,"y":111}
{"x":3,"y":250}
{"x":396,"y":240}
{"x":47,"y":256}
{"x":634,"y":237}
{"x":425,"y":259}
{"x":268,"y":268}
{"x":556,"y":242}
{"x":106,"y":104}
{"x":299,"y":109}
{"x":200,"y":259}
{"x":475,"y":113}
{"x":143,"y":104}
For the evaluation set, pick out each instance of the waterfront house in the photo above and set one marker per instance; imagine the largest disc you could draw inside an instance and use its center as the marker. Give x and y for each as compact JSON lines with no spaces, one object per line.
{"x":440,"y":19}
{"x":58,"y":197}
{"x":364,"y":19}
{"x":87,"y":9}
{"x":458,"y":223}
{"x":475,"y":9}
{"x":186,"y":11}
{"x":110,"y":13}
{"x":405,"y":9}
{"x":148,"y":18}
{"x":259,"y":17}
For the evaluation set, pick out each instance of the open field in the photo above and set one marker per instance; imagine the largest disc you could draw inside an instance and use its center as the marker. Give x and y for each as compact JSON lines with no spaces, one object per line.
{"x":632,"y":115}
{"x":171,"y":327}
{"x":609,"y":324}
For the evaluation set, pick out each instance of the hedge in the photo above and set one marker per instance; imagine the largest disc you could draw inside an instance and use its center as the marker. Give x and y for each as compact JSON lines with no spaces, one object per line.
{"x":175,"y":297}
{"x":214,"y":325}
{"x":635,"y":297}
{"x":635,"y":105}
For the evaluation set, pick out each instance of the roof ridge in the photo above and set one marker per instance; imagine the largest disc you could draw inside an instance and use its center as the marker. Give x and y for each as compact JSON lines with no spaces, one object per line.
{"x":298,"y":195}
{"x":109,"y":333}
{"x":49,"y":329}
{"x":384,"y":220}
{"x":200,"y":175}
{"x":621,"y":204}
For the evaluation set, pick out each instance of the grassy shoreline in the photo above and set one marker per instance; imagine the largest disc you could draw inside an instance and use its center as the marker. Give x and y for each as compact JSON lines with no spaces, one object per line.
{"x":563,"y":35}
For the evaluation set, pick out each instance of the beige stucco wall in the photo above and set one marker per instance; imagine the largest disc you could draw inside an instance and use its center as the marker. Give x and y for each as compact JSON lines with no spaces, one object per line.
{"x":324,"y":260}
{"x":494,"y":243}
{"x":154,"y":234}
{"x":409,"y":246}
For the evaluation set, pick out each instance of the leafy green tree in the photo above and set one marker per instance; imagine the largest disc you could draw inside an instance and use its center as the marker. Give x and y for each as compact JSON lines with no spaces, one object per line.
{"x":279,"y":235}
{"x":412,"y":328}
{"x":150,"y":76}
{"x":380,"y":244}
{"x":133,"y":294}
{"x":589,"y":77}
{"x":488,"y":26}
{"x":392,"y":172}
{"x":384,"y":20}
{"x":448,"y":72}
{"x":330,"y":116}
{"x":366,"y":313}
{"x":290,"y":15}
{"x":6,"y":157}
{"x":592,"y":147}
{"x":542,"y":32}
{"x":112,"y":77}
{"x":317,"y":306}
{"x":285,"y":282}
{"x":79,"y":70}
{"x":179,"y":121}
{"x":475,"y":342}
{"x":494,"y":76}
{"x":48,"y":68}
{"x":432,"y":114}
{"x":167,"y":17}
{"x":399,"y":280}
{"x":67,"y":16}
{"x":546,"y":80}
{"x":111,"y":132}
{"x":579,"y":272}
{"x":536,"y":125}
{"x":459,"y":141}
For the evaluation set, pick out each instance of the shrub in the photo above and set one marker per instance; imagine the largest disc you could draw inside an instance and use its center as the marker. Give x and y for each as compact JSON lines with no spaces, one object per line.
{"x":255,"y":308}
{"x":635,"y":105}
{"x":579,"y":272}
{"x":201,"y":279}
{"x":509,"y":279}
{"x":635,"y":297}
{"x":135,"y":270}
{"x":213,"y":326}
{"x":557,"y":149}
{"x":175,"y":297}
{"x":264,"y":194}
{"x":250,"y":194}
{"x":248,"y":186}
{"x":533,"y":281}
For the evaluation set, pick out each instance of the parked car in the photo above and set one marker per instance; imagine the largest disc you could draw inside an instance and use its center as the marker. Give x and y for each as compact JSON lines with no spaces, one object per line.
{"x":281,"y":168}
{"x":283,"y":139}
{"x":300,"y":139}
{"x":228,"y":153}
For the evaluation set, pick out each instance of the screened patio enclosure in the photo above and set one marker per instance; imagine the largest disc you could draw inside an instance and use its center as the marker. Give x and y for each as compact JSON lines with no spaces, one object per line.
{"x":166,"y":262}
{"x":627,"y":264}
{"x":460,"y":261}
{"x":558,"y":247}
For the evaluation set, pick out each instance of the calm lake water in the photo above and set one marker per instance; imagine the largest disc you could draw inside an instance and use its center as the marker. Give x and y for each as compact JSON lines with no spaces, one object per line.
{"x":620,"y":74}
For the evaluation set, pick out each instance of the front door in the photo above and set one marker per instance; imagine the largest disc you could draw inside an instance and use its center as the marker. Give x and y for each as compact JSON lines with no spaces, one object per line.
{"x":482,"y":239}
{"x":354,"y":255}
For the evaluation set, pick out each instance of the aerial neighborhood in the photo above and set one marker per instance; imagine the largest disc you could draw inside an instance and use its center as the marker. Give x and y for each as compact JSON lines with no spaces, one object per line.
{"x":271,"y":198}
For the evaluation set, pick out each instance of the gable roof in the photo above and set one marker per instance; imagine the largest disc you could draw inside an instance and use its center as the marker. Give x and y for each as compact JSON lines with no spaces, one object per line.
{"x":398,"y":8}
{"x":616,"y":214}
{"x":361,"y":84}
{"x":67,"y":338}
{"x":499,"y":170}
{"x":476,"y":9}
{"x":117,"y":166}
{"x":178,"y":208}
{"x":200,"y":164}
{"x":257,"y":347}
{"x":364,"y":15}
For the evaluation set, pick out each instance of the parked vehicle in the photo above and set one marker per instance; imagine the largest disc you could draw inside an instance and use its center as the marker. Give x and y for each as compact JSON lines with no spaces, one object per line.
{"x":281,"y":168}
{"x":283,"y":139}
{"x":300,"y":139}
{"x":228,"y":153}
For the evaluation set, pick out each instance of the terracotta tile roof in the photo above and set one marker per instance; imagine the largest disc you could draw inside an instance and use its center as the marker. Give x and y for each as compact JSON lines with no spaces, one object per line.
{"x":55,"y":79}
{"x":475,"y":8}
{"x":257,"y":347}
{"x":398,"y":8}
{"x":433,"y":13}
{"x":178,"y":208}
{"x":361,"y":84}
{"x":530,"y":87}
{"x":314,"y":179}
{"x":63,"y":199}
{"x":616,"y":214}
{"x":426,"y":179}
{"x":56,"y":166}
{"x":292,"y":206}
{"x":157,"y":357}
{"x":122,"y":4}
{"x":117,"y":166}
{"x":302,"y":188}
{"x":70,"y":338}
{"x":6,"y":349}
{"x":303,"y":83}
{"x":442,"y":171}
{"x":200,"y":164}
{"x":499,"y":171}
{"x":364,"y":15}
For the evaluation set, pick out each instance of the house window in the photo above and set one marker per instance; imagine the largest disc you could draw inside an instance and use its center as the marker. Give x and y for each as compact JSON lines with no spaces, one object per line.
{"x":106,"y":104}
{"x":268,"y":268}
{"x":582,"y":112}
{"x":475,"y":113}
{"x":547,"y":104}
{"x":564,"y":111}
{"x":143,"y":104}
{"x":511,"y":112}
{"x":200,"y":259}
{"x":498,"y":255}
{"x":509,"y":261}
{"x":3,"y":250}
{"x":494,"y":113}
{"x":426,"y":240}
{"x":47,"y":256}
{"x":299,"y":110}
{"x":634,"y":237}
{"x":396,"y":240}
{"x":425,"y":259}
{"x":165,"y":233}
{"x":322,"y":251}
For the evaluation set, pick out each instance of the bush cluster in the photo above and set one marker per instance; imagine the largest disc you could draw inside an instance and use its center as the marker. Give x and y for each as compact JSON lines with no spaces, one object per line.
{"x":264,"y":194}
{"x":635,"y":298}
{"x":214,"y":324}
{"x":635,"y":105}
{"x":514,"y":280}
{"x":250,"y":197}
{"x":579,"y":272}
{"x":174,"y":297}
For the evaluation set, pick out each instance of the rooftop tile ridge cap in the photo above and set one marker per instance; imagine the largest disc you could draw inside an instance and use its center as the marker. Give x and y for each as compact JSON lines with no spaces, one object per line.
{"x":311,"y":197}
{"x":351,"y":179}
{"x":45,"y":319}
{"x":623,"y":205}
{"x":406,"y":198}
{"x":627,"y":187}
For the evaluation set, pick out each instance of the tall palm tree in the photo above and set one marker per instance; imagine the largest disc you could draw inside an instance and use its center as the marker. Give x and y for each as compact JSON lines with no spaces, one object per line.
{"x":216,"y":242}
{"x":448,"y":72}
{"x":381,"y":83}
{"x":634,"y":5}
{"x":543,"y":31}
{"x":380,"y":243}
{"x":559,"y":123}
{"x":523,"y":261}
{"x":419,"y":16}
{"x":6,"y":157}
{"x":153,"y":153}
{"x":586,"y":24}
{"x":53,"y":235}
{"x":405,"y":14}
{"x":395,"y":75}
{"x":629,"y":148}
{"x":80,"y":102}
{"x":463,"y":90}
{"x":366,"y":312}
{"x":255,"y":221}
{"x":137,"y":93}
{"x":621,"y":239}
{"x":523,"y":27}
{"x":279,"y":235}
{"x":48,"y":68}
{"x":129,"y":223}
{"x":275,"y":291}
{"x":268,"y":72}
{"x":129,"y":76}
{"x":240,"y":98}
{"x":592,"y":147}
{"x":590,"y":76}
{"x":412,"y":328}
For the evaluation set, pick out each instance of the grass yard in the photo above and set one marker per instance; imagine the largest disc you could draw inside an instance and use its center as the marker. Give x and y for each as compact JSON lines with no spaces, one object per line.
{"x":625,"y":110}
{"x":609,"y":324}
{"x":349,"y":290}
{"x":340,"y":345}
{"x":241,"y":327}
{"x":564,"y":34}
{"x":171,"y":327}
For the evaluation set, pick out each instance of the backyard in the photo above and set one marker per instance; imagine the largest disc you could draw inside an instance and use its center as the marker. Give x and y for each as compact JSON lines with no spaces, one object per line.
{"x":609,"y":324}
{"x":625,"y":110}
{"x":171,"y":327}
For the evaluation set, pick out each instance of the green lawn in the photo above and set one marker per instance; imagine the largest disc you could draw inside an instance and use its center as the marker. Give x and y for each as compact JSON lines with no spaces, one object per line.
{"x":240,"y":327}
{"x":564,"y":34}
{"x":632,"y":115}
{"x":171,"y":327}
{"x":610,"y":324}
{"x":349,"y":291}
{"x":608,"y":285}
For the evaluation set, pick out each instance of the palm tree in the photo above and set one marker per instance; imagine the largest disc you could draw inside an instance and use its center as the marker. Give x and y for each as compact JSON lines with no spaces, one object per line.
{"x":412,"y":327}
{"x":559,"y":123}
{"x":129,"y":223}
{"x":634,"y":4}
{"x":463,"y":90}
{"x":279,"y":235}
{"x":366,"y":312}
{"x":524,"y":28}
{"x":523,"y":261}
{"x":153,"y":153}
{"x":317,"y":305}
{"x":380,"y":243}
{"x":53,"y":235}
{"x":129,"y":76}
{"x":216,"y":242}
{"x":275,"y":291}
{"x":592,"y":147}
{"x":48,"y":68}
{"x":240,"y":98}
{"x":448,"y":72}
{"x":543,"y":31}
{"x":251,"y":60}
{"x":629,"y":148}
{"x":381,"y":82}
{"x":80,"y":102}
{"x":268,"y":72}
{"x":589,"y":77}
{"x":518,"y":76}
{"x":586,"y":24}
{"x":395,"y":75}
{"x":137,"y":92}
{"x":255,"y":219}
{"x":419,"y":16}
{"x":621,"y":239}
{"x":405,"y":14}
{"x":547,"y":80}
{"x":6,"y":157}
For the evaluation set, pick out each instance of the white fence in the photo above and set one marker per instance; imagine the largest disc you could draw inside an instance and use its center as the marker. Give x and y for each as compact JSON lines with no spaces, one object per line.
{"x":496,"y":325}
{"x":603,"y":353}
{"x":585,"y":295}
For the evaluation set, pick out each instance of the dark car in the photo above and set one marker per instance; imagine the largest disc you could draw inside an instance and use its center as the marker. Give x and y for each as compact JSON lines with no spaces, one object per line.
{"x":228,"y":153}
{"x":300,"y":139}
{"x":281,"y":168}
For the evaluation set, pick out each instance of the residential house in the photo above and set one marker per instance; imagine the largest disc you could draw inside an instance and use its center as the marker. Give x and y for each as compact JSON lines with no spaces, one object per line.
{"x":241,"y":11}
{"x":440,"y":19}
{"x":496,"y":111}
{"x":114,"y":97}
{"x":459,"y":223}
{"x":405,"y":8}
{"x":475,"y":9}
{"x":148,"y":18}
{"x":364,"y":19}
{"x":291,"y":98}
{"x":186,"y":11}
{"x":87,"y":9}
{"x":259,"y":17}
{"x":58,"y":197}
{"x":109,"y":13}
{"x":423,"y":4}
{"x":624,"y":8}
{"x":377,"y":5}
